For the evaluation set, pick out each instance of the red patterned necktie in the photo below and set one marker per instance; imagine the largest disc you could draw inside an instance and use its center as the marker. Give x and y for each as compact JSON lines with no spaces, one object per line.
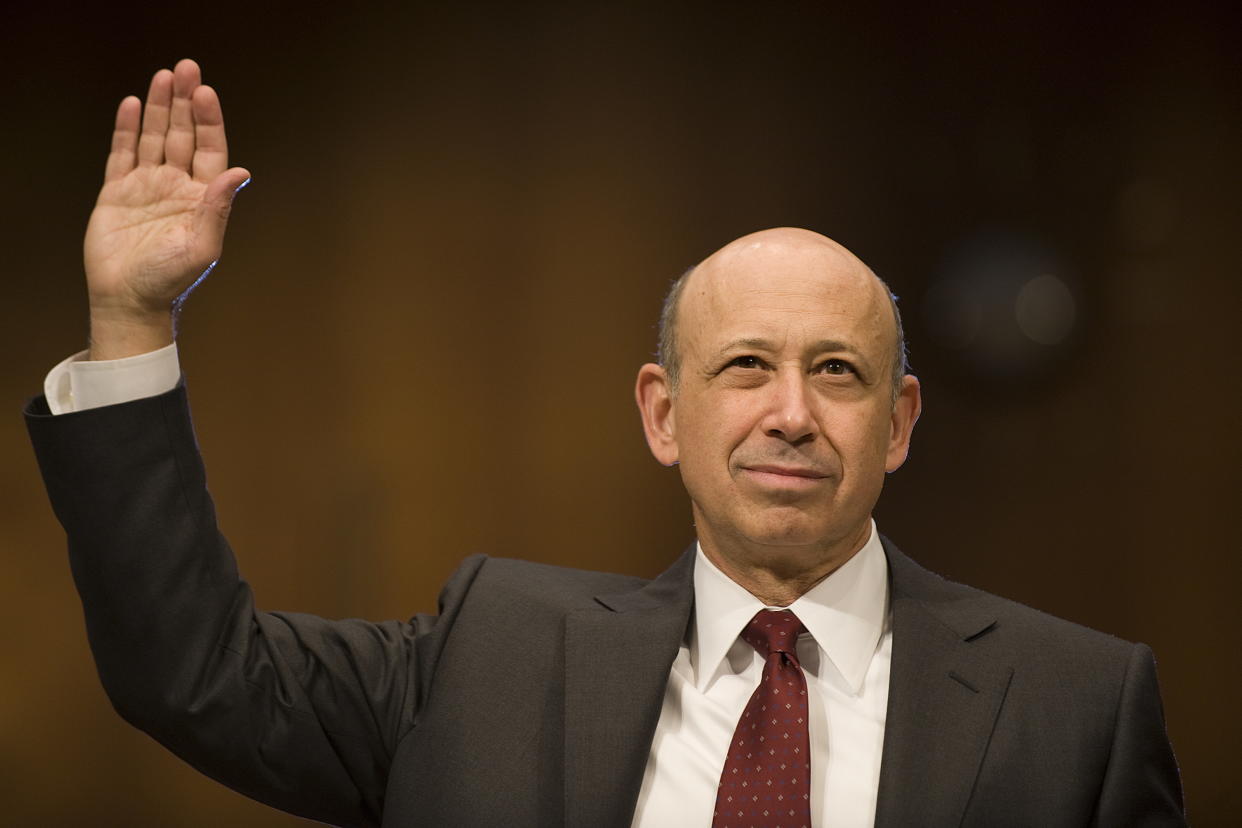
{"x":766,"y":780}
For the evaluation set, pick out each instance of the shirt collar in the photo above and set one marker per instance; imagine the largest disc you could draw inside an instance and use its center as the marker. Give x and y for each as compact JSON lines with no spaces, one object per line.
{"x":845,"y":613}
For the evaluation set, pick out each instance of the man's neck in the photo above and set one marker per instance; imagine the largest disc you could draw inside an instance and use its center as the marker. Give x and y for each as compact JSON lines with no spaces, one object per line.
{"x":779,"y":575}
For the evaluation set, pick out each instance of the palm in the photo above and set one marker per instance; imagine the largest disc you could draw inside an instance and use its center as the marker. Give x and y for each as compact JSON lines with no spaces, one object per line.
{"x":142,"y":240}
{"x":160,"y":218}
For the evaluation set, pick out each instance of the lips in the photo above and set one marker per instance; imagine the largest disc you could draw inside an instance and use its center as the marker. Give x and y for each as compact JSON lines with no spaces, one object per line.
{"x":780,"y":478}
{"x":787,"y":471}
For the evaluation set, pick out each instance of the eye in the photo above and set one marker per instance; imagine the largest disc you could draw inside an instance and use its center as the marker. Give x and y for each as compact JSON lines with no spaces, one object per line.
{"x":836,"y":366}
{"x":744,"y":362}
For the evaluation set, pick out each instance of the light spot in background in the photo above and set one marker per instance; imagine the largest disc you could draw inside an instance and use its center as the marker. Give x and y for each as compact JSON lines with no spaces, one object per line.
{"x":1002,"y":307}
{"x":1045,"y":310}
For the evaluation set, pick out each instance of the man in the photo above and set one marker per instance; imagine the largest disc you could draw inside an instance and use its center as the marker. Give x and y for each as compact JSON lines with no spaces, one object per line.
{"x":791,"y":668}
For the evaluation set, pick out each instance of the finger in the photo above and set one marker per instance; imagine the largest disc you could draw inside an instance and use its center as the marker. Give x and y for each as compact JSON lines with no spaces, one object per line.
{"x":155,"y":119}
{"x":217,"y":203}
{"x":225,"y":186}
{"x":124,"y":139}
{"x":211,"y":148}
{"x":179,"y":142}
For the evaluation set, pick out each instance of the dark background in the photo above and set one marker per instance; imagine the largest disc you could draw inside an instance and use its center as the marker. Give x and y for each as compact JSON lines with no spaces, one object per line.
{"x":422,"y":340}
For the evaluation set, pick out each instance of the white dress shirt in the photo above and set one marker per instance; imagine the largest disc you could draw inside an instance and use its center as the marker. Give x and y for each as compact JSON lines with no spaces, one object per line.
{"x":845,"y":654}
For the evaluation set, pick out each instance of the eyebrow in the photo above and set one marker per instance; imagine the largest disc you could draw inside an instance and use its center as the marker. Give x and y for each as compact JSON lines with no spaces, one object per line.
{"x":760,"y":344}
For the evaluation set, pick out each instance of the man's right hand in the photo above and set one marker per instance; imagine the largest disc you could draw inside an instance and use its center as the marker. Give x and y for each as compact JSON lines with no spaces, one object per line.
{"x":158,"y":225}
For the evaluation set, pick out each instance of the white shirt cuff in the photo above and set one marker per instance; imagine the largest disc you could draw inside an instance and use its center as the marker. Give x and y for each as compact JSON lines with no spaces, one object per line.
{"x":77,"y":383}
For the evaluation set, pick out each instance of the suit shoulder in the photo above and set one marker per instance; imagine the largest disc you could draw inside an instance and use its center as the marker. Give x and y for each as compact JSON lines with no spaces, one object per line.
{"x":970,"y":612}
{"x":531,"y":583}
{"x":1029,"y":624}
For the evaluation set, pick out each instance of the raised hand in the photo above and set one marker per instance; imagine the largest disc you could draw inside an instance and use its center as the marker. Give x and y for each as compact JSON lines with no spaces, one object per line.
{"x":159,"y":223}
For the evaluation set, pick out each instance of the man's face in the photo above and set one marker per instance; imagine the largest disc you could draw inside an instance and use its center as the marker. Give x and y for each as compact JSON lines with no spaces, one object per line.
{"x":783,"y":422}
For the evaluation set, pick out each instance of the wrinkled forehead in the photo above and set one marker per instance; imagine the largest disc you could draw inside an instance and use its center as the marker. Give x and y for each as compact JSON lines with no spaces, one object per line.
{"x":804,"y":289}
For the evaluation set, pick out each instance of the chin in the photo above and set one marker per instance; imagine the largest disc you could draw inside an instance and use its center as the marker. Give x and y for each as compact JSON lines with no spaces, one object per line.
{"x":786,"y":533}
{"x":791,"y":527}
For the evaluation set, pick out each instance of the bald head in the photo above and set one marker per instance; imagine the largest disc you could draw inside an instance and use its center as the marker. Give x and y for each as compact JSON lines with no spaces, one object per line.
{"x":783,"y":260}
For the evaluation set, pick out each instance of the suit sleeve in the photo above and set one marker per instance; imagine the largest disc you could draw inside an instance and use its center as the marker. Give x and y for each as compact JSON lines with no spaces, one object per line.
{"x":293,"y":710}
{"x":1141,"y":785}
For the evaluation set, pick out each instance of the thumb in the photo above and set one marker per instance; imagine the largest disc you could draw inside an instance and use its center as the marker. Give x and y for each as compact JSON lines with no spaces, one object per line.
{"x":223,"y":188}
{"x":218,"y":203}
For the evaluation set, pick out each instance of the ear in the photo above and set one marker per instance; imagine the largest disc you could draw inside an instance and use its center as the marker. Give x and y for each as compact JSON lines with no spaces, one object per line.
{"x":655,"y":404}
{"x":905,"y":414}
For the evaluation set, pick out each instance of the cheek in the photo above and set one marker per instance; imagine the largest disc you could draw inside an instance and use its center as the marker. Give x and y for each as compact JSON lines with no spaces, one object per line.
{"x":860,"y":438}
{"x":707,"y":437}
{"x":733,"y":421}
{"x":713,"y":429}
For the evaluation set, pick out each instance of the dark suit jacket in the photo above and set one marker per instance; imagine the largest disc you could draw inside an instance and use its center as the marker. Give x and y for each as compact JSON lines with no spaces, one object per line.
{"x":531,"y":698}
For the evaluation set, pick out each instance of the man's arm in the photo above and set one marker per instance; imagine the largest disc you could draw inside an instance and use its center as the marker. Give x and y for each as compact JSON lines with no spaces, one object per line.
{"x":1141,"y":783}
{"x":293,"y":710}
{"x":296,"y":711}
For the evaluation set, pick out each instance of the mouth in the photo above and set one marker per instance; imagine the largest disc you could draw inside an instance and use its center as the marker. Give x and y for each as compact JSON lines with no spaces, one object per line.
{"x":784,"y":477}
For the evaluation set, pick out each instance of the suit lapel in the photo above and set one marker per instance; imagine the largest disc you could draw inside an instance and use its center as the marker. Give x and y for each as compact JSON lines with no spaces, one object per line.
{"x":617,"y":662}
{"x":944,"y":697}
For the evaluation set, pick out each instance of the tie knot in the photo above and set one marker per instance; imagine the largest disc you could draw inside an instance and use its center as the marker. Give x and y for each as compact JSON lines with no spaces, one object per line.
{"x":774,"y":631}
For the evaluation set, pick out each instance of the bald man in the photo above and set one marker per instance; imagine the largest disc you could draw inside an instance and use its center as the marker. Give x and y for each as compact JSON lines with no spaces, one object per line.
{"x":546,"y":696}
{"x":784,"y":401}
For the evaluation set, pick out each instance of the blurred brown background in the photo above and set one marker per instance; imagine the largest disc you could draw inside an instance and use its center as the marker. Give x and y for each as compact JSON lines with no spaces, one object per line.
{"x":422,"y":339}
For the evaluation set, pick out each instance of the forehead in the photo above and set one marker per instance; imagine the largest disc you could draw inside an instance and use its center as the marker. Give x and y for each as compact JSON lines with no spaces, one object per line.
{"x":787,"y":290}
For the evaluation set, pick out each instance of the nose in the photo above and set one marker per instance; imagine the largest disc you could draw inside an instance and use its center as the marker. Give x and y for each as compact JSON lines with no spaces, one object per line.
{"x":789,"y":416}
